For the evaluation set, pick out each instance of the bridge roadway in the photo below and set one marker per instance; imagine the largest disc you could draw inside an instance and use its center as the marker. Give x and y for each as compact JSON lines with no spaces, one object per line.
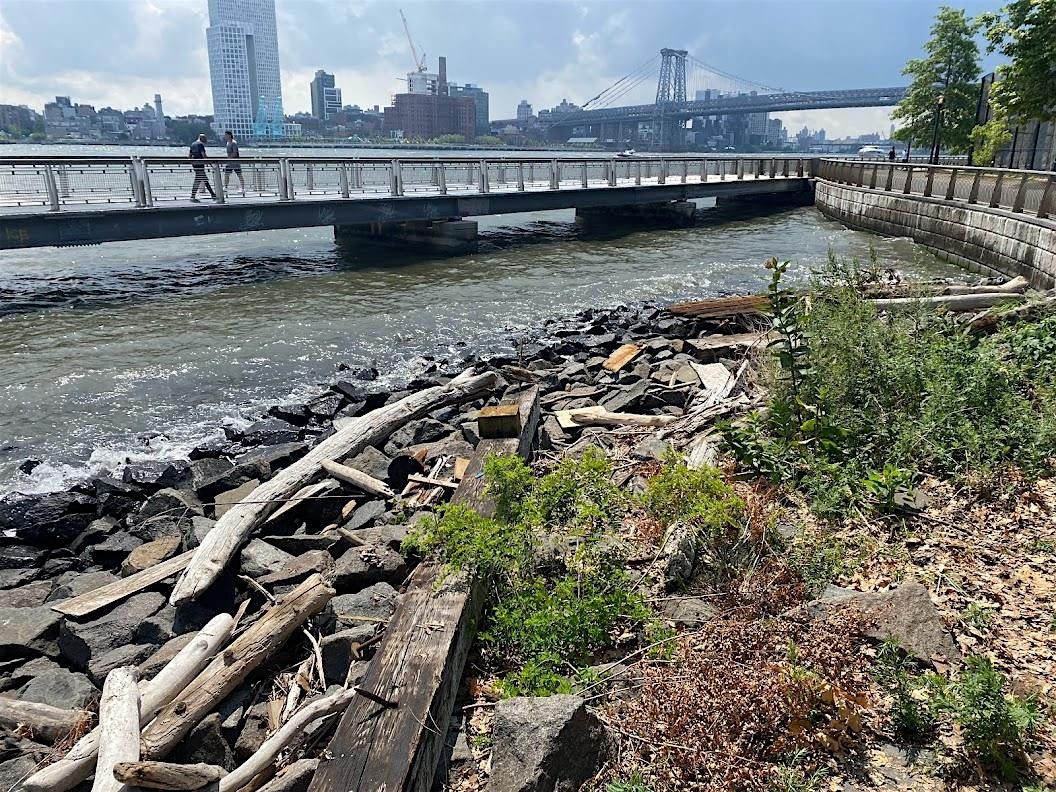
{"x":82,"y":201}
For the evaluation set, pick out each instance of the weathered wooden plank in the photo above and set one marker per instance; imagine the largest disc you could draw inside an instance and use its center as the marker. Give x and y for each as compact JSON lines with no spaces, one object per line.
{"x":500,"y":420}
{"x":167,"y":776}
{"x":621,"y":357}
{"x":722,"y":307}
{"x":120,"y":589}
{"x":45,"y":721}
{"x":711,"y":348}
{"x":420,"y":661}
{"x":599,"y":416}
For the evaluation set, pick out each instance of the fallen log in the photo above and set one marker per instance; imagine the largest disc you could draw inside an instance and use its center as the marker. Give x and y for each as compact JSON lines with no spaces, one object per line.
{"x":599,"y":416}
{"x":43,"y":720}
{"x":78,"y":764}
{"x":1017,"y":285}
{"x":953,"y":302}
{"x":232,"y":529}
{"x":118,"y":727}
{"x":120,"y":589}
{"x":419,"y":662}
{"x":168,"y":776}
{"x":283,"y":737}
{"x":722,"y":307}
{"x":1031,"y":312}
{"x":362,"y":481}
{"x":226,"y":672}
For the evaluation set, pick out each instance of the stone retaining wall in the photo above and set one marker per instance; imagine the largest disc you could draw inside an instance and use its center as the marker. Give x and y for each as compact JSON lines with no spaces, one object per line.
{"x":992,"y":241}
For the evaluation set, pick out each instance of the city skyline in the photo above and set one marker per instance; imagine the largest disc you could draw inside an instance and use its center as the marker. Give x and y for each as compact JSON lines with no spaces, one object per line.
{"x":363,"y":45}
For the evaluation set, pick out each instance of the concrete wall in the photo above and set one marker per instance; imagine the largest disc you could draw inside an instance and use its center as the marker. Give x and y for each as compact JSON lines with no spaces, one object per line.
{"x":991,"y":241}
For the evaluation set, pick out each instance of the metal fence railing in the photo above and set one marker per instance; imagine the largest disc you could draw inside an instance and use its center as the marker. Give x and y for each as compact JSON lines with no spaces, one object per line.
{"x":1027,"y":192}
{"x":142,"y":182}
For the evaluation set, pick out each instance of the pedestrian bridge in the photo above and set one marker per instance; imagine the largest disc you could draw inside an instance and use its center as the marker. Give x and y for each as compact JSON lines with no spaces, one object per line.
{"x":88,"y":200}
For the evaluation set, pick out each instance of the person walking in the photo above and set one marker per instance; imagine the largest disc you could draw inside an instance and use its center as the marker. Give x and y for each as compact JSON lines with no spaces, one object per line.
{"x":198,"y":153}
{"x":891,"y":154}
{"x":233,"y":167}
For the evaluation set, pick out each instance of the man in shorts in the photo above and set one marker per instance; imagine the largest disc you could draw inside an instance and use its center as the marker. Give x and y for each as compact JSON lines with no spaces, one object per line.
{"x":198,"y":153}
{"x":232,"y":167}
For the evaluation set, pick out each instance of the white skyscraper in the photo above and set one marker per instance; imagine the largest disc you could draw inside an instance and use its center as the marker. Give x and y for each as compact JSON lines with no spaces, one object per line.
{"x":244,"y":68}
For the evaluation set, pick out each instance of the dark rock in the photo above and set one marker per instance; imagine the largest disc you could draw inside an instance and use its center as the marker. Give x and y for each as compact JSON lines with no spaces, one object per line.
{"x":364,"y":566}
{"x":273,"y":457}
{"x":28,"y":631}
{"x":551,"y":432}
{"x":30,"y":595}
{"x":365,"y":515}
{"x":60,"y":688}
{"x":80,"y":642}
{"x":321,"y":509}
{"x":298,"y":544}
{"x":652,"y":447}
{"x":74,"y":584}
{"x":114,"y":549}
{"x":390,"y":536}
{"x":299,"y":568}
{"x":372,"y":399}
{"x":254,"y":732}
{"x":260,"y":558}
{"x":14,"y":771}
{"x":270,"y":432}
{"x":62,"y":561}
{"x":337,"y":649}
{"x":325,"y":407}
{"x":50,"y":520}
{"x":905,"y":613}
{"x":225,"y":500}
{"x":211,"y":449}
{"x":204,"y":744}
{"x":689,"y":612}
{"x":375,"y":602}
{"x":370,"y":461}
{"x":169,"y":501}
{"x":200,"y":526}
{"x":293,"y":414}
{"x":20,"y":556}
{"x":400,"y":468}
{"x":96,"y":532}
{"x":150,"y":554}
{"x":453,"y":445}
{"x":153,"y":474}
{"x":127,"y":654}
{"x":546,"y":744}
{"x":424,"y":430}
{"x":116,"y":498}
{"x":205,"y":477}
{"x":29,"y":465}
{"x":10,"y":578}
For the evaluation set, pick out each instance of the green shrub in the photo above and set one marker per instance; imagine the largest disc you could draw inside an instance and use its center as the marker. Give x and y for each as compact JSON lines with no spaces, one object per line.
{"x":698,"y":497}
{"x":578,"y":497}
{"x":634,"y":783}
{"x":461,"y":537}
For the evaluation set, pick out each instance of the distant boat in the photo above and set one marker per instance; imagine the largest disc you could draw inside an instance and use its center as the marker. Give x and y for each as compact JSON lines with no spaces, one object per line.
{"x":627,"y":153}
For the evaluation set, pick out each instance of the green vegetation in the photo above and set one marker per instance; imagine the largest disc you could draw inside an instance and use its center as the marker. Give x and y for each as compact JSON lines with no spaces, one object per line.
{"x":634,"y":783}
{"x":552,"y":560}
{"x":1024,"y":32}
{"x":699,"y":497}
{"x":944,"y":85}
{"x":861,"y":406}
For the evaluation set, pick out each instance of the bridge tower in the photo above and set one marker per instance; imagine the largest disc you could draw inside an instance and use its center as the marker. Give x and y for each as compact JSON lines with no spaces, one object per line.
{"x":670,"y":89}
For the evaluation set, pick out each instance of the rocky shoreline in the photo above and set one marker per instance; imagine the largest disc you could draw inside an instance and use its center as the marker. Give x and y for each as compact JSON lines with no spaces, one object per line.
{"x":62,"y":545}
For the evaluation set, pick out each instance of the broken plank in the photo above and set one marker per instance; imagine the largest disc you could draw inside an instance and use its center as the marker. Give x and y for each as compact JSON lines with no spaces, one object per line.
{"x":711,"y":348}
{"x":358,"y":479}
{"x":420,"y":660}
{"x":621,"y":357}
{"x":722,"y":307}
{"x":599,"y":416}
{"x":432,"y":482}
{"x":120,"y":589}
{"x":461,"y":464}
{"x":716,"y":381}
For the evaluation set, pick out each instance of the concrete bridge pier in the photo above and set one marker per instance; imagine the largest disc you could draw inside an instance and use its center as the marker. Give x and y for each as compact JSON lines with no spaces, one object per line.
{"x":667,"y":214}
{"x":452,"y":236}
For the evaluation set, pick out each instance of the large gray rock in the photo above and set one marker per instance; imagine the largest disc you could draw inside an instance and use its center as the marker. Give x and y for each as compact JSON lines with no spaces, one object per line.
{"x":374,"y":602}
{"x":27,"y":631}
{"x":337,"y":651}
{"x":365,"y":515}
{"x":370,"y":461}
{"x":169,"y":501}
{"x":294,"y":778}
{"x":905,"y":613}
{"x":50,"y":520}
{"x":74,"y":584}
{"x":364,"y":566}
{"x":114,"y":549}
{"x":79,"y":642}
{"x":60,"y":688}
{"x":30,"y":595}
{"x":545,"y":744}
{"x":260,"y":558}
{"x":204,"y":744}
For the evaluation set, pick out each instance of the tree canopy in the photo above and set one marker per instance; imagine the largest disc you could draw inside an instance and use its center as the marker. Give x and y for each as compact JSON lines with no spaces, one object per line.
{"x":951,"y":70}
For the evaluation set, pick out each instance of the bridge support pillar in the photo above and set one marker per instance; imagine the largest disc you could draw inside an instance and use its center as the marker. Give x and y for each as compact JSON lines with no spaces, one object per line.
{"x":666,"y":213}
{"x":448,"y":236}
{"x":802,"y":197}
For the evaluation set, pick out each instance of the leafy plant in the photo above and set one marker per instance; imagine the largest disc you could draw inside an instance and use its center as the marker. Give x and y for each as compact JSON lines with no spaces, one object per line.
{"x":977,"y":616}
{"x":634,"y":783}
{"x":883,"y":487}
{"x":698,"y":497}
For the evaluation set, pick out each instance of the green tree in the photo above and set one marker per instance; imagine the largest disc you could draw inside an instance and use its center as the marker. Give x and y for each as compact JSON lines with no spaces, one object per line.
{"x":949,"y":71}
{"x":1025,"y":88}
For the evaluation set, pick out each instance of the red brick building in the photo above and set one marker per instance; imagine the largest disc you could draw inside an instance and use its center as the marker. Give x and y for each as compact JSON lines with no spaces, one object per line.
{"x":428,"y":116}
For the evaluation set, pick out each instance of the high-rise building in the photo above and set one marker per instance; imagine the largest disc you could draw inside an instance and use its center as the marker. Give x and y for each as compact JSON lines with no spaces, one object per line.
{"x":159,"y":118}
{"x":244,"y":68}
{"x":480,"y":99}
{"x":326,"y":97}
{"x":524,"y":111}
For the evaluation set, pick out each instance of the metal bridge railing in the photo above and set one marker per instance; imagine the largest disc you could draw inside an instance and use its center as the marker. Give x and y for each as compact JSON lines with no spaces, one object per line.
{"x":143,"y":182}
{"x":1022,"y":191}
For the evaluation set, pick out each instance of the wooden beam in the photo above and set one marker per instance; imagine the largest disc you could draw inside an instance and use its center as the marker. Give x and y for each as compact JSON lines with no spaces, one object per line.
{"x":120,"y":589}
{"x":499,"y":420}
{"x":358,"y":479}
{"x":419,"y":663}
{"x":722,"y":307}
{"x":167,"y":776}
{"x":232,"y":529}
{"x":118,"y":727}
{"x":621,"y":357}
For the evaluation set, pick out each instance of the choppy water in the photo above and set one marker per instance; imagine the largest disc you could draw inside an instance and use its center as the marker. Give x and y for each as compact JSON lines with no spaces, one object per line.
{"x":141,"y":349}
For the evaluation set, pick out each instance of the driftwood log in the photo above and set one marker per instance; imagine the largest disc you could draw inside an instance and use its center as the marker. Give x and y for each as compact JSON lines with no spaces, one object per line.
{"x":79,"y":763}
{"x":233,"y":665}
{"x":391,"y":737}
{"x":953,"y":302}
{"x":722,"y":307}
{"x":358,"y":479}
{"x":232,"y":529}
{"x":289,"y":733}
{"x":168,"y":776}
{"x":599,"y":416}
{"x":118,"y":727}
{"x":43,"y":720}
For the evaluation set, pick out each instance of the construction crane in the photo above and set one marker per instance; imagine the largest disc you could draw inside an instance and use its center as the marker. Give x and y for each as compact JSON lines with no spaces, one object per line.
{"x":419,"y":63}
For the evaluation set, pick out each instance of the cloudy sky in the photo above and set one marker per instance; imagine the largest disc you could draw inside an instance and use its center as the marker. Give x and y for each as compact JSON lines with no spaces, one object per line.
{"x":120,"y":52}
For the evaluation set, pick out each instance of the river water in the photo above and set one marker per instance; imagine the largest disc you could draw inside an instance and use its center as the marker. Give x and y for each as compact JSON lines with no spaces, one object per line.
{"x":139,"y":350}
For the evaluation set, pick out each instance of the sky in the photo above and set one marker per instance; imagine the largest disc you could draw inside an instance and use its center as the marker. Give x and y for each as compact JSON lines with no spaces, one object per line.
{"x":121,"y":52}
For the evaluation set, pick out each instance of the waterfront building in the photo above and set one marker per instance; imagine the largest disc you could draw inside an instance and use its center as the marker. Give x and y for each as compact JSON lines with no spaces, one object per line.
{"x":524,"y":111}
{"x":326,"y":96}
{"x":424,"y":116}
{"x":159,"y":118}
{"x":482,"y":124}
{"x":244,"y":68}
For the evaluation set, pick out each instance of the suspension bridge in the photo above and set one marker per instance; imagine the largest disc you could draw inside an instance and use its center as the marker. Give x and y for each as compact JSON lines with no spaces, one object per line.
{"x":690,"y":91}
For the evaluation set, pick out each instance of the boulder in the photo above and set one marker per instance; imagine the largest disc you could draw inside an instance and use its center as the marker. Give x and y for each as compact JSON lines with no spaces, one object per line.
{"x":385,"y":535}
{"x":298,"y":544}
{"x":374,"y":602}
{"x":95,"y":533}
{"x":168,"y":501}
{"x":679,"y":556}
{"x":52,"y":519}
{"x":204,"y":744}
{"x":29,"y":595}
{"x":80,"y":642}
{"x":272,"y":457}
{"x":337,"y":650}
{"x":298,"y":568}
{"x":160,"y":657}
{"x":270,"y":432}
{"x":424,"y":430}
{"x":74,"y":584}
{"x":13,"y":771}
{"x":150,"y":554}
{"x":114,"y":549}
{"x":370,"y":461}
{"x":652,"y":447}
{"x":28,"y":631}
{"x":365,"y":515}
{"x":905,"y":613}
{"x":19,"y":556}
{"x":259,"y":558}
{"x":363,"y":566}
{"x":325,"y":407}
{"x":547,"y":744}
{"x":10,"y":578}
{"x":689,"y":612}
{"x":200,"y":526}
{"x":60,"y":687}
{"x":255,"y":731}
